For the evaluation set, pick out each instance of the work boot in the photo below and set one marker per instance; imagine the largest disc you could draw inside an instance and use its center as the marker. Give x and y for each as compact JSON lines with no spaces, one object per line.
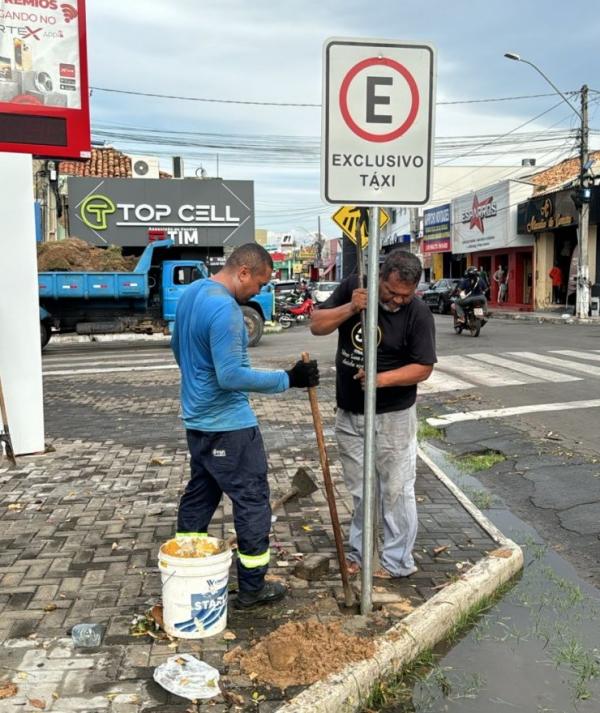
{"x":270,"y":592}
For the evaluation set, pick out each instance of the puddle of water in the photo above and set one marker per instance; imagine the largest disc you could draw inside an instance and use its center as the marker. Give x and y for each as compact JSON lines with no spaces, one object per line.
{"x":536,"y":651}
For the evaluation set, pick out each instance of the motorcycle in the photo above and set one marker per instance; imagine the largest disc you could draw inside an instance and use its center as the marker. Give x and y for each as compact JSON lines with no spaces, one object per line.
{"x":475,"y":316}
{"x":290,"y":314}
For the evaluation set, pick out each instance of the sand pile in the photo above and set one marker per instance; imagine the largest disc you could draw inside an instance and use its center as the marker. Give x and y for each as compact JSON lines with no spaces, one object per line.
{"x":300,"y":653}
{"x":75,"y":255}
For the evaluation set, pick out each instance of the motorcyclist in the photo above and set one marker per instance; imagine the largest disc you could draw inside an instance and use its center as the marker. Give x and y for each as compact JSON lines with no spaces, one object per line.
{"x":471,"y":289}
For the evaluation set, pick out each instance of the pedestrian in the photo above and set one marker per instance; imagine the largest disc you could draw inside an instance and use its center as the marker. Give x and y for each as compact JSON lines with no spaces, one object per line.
{"x":226,"y":448}
{"x":556,"y":276}
{"x":500,"y":280}
{"x":485,"y":280}
{"x":405,"y":357}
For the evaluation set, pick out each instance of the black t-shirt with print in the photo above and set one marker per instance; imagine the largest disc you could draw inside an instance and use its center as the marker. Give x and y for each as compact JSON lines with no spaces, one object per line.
{"x":404,"y":337}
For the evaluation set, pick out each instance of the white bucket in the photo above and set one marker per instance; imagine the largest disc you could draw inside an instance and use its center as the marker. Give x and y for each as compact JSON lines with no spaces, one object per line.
{"x":194,"y":593}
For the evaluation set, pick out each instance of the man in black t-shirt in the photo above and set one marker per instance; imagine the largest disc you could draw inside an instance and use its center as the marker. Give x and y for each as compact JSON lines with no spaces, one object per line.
{"x":405,"y":357}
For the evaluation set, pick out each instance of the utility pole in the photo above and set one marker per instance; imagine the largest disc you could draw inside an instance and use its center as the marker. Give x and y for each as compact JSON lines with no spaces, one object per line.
{"x":414,"y":229}
{"x":583,"y":199}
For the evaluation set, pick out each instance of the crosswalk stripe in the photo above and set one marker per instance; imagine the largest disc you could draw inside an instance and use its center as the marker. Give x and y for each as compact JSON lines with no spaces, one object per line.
{"x":481,"y":375}
{"x":71,"y":372}
{"x":110,"y":362}
{"x":543,"y":374}
{"x":587,"y":369}
{"x":440,"y":381}
{"x":577,"y":354}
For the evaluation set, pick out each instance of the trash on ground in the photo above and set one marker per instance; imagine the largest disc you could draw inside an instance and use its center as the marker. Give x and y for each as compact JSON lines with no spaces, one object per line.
{"x":503,"y":552}
{"x":8,"y":690}
{"x":186,"y":676}
{"x":87,"y":635}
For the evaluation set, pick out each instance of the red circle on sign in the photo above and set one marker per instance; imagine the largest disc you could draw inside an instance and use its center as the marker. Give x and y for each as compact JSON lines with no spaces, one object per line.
{"x":414,"y":93}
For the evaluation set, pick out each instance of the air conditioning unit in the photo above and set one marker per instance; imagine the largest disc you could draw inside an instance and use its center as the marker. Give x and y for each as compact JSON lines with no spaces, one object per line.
{"x":144,"y":167}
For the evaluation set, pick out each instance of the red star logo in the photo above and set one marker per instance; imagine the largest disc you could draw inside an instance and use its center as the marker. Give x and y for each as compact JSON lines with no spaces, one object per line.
{"x":476,"y":219}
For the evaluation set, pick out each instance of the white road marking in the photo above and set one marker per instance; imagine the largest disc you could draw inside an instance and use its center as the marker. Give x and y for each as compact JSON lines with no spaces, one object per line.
{"x":109,"y":362}
{"x":577,"y":354}
{"x":481,"y":375}
{"x":83,"y":358}
{"x":440,"y":381}
{"x":461,"y":416}
{"x":70,"y":372}
{"x":587,"y":369}
{"x":543,"y":374}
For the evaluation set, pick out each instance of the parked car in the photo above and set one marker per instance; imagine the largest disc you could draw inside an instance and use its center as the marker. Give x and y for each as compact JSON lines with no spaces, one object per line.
{"x":439,"y":294}
{"x":422,"y":287}
{"x":323,"y":291}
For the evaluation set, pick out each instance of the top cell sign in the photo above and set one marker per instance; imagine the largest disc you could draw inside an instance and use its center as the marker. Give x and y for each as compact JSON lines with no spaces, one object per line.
{"x":378,"y":122}
{"x":44,"y":107}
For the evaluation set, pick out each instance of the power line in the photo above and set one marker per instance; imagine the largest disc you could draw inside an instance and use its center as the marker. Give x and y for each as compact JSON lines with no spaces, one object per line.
{"x":244,"y":102}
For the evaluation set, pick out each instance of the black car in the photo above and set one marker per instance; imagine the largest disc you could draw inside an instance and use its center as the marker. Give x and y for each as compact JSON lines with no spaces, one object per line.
{"x":439,"y":294}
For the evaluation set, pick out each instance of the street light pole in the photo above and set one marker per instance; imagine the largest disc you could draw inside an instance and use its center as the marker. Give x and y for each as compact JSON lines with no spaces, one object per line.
{"x":582,"y":199}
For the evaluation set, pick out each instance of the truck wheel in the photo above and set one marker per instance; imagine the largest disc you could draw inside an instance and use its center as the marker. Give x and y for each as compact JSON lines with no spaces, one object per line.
{"x":44,"y":334}
{"x":254,"y":325}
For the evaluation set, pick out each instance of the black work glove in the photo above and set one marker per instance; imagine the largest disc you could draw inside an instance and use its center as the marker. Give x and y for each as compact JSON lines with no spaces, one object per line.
{"x":304,"y":374}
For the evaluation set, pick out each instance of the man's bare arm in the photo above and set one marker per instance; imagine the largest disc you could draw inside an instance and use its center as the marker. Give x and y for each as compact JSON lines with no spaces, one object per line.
{"x":404,"y":376}
{"x":326,"y":321}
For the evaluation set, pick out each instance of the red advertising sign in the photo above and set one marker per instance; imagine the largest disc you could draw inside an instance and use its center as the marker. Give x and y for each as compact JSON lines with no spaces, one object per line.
{"x":44,"y":105}
{"x":436,"y":246}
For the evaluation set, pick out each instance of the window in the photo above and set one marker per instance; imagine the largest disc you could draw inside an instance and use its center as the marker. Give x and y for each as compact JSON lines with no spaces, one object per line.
{"x":185,"y":275}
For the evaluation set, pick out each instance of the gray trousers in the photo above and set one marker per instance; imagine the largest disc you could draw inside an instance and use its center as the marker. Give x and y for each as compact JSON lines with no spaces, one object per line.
{"x":396,"y":466}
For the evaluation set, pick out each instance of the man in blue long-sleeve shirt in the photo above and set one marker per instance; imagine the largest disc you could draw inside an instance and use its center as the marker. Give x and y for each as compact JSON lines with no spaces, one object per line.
{"x":226,"y":448}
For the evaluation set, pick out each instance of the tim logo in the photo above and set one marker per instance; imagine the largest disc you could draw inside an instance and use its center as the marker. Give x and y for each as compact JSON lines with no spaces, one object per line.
{"x":94,"y":211}
{"x":69,"y":12}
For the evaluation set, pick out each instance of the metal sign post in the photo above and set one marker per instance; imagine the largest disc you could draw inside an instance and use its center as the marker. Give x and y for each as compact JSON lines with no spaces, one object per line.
{"x":370,"y":352}
{"x":377,"y":150}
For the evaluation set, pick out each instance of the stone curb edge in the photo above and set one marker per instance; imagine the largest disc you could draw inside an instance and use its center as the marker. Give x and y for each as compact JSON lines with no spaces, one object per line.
{"x":346,"y":691}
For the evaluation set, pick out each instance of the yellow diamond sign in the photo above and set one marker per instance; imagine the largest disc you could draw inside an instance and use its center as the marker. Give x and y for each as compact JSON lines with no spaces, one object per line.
{"x":348,"y":218}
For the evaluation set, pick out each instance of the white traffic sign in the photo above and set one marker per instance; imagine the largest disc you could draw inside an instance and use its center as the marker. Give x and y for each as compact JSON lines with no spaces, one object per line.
{"x":378,"y":122}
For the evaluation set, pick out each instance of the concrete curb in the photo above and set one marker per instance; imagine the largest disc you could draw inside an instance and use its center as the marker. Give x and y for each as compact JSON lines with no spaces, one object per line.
{"x":543,"y":318}
{"x":347,"y":690}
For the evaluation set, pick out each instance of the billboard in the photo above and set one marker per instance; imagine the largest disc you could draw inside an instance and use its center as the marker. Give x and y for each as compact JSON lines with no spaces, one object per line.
{"x":193,"y":212}
{"x":43,"y":78}
{"x":436,"y":230}
{"x":487,"y":218}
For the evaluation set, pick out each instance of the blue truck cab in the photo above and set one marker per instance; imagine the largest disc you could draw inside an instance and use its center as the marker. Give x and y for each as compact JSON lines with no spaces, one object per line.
{"x":143,"y":301}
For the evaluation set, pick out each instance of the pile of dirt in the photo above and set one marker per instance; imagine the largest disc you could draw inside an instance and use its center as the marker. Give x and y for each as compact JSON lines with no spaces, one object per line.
{"x":300,"y":653}
{"x":75,"y":255}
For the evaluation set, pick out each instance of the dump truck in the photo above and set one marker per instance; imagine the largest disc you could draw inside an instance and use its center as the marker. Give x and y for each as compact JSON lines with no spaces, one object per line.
{"x":143,"y":301}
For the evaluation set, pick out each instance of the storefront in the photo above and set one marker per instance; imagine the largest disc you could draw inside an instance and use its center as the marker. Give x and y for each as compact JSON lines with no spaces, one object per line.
{"x":552,"y":219}
{"x":436,"y":245}
{"x":484,"y":229}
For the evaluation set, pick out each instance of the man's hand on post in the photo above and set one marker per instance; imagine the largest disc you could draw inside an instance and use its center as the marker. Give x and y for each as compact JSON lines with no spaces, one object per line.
{"x":304,"y":374}
{"x":359,"y":299}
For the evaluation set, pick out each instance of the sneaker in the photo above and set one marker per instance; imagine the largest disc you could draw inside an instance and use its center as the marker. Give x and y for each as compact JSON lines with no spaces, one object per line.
{"x":271,"y":592}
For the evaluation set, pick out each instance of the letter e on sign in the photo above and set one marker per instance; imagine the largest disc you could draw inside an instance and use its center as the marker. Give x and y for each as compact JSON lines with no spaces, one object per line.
{"x":377,"y":122}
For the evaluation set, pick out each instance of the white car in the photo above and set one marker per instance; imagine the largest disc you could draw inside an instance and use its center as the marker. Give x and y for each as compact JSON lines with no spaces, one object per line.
{"x":323,"y":291}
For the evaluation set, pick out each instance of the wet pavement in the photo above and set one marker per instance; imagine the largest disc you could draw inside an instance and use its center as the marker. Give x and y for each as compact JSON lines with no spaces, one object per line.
{"x":82,"y":526}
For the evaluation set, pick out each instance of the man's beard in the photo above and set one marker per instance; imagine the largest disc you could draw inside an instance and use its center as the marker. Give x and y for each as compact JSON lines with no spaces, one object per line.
{"x":390,"y":307}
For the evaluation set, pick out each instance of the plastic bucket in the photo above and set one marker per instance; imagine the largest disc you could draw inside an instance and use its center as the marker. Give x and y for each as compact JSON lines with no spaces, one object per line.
{"x":194,"y":593}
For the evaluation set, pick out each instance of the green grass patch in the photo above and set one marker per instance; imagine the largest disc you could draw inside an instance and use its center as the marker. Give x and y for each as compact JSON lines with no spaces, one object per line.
{"x":475,"y":462}
{"x":426,"y":432}
{"x":479,"y":498}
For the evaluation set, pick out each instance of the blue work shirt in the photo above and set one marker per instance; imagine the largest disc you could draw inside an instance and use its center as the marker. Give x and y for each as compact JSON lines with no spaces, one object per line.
{"x":210,"y":344}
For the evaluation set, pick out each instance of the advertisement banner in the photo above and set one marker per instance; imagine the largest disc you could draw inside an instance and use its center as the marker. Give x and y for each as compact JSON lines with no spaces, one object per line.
{"x":554,"y":210}
{"x":193,"y":212}
{"x":487,"y":218}
{"x":436,"y":229}
{"x":39,"y":53}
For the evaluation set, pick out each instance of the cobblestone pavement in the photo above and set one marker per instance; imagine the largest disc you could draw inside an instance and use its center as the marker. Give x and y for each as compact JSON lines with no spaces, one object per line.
{"x":81,"y":527}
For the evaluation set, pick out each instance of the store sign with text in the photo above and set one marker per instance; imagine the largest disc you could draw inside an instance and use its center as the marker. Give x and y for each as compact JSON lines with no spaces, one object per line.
{"x":549,"y":212}
{"x":436,"y":229}
{"x":130,"y":212}
{"x":487,"y":219}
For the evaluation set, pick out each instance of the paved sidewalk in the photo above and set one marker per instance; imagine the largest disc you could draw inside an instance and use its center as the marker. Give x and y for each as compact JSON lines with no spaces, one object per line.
{"x":560,"y":316}
{"x":81,"y":528}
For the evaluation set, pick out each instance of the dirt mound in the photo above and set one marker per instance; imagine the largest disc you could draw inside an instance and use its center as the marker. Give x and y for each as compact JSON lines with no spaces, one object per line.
{"x":299,"y":653}
{"x":75,"y":255}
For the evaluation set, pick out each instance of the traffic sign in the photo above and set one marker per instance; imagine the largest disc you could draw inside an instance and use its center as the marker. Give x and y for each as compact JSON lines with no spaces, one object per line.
{"x":348,"y":219}
{"x":377,"y":122}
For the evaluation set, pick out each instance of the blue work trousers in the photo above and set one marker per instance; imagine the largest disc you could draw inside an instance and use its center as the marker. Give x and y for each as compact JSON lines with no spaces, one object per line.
{"x":234,"y":463}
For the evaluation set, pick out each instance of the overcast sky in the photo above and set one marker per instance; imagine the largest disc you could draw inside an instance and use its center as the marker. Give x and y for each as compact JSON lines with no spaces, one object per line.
{"x":262,"y":50}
